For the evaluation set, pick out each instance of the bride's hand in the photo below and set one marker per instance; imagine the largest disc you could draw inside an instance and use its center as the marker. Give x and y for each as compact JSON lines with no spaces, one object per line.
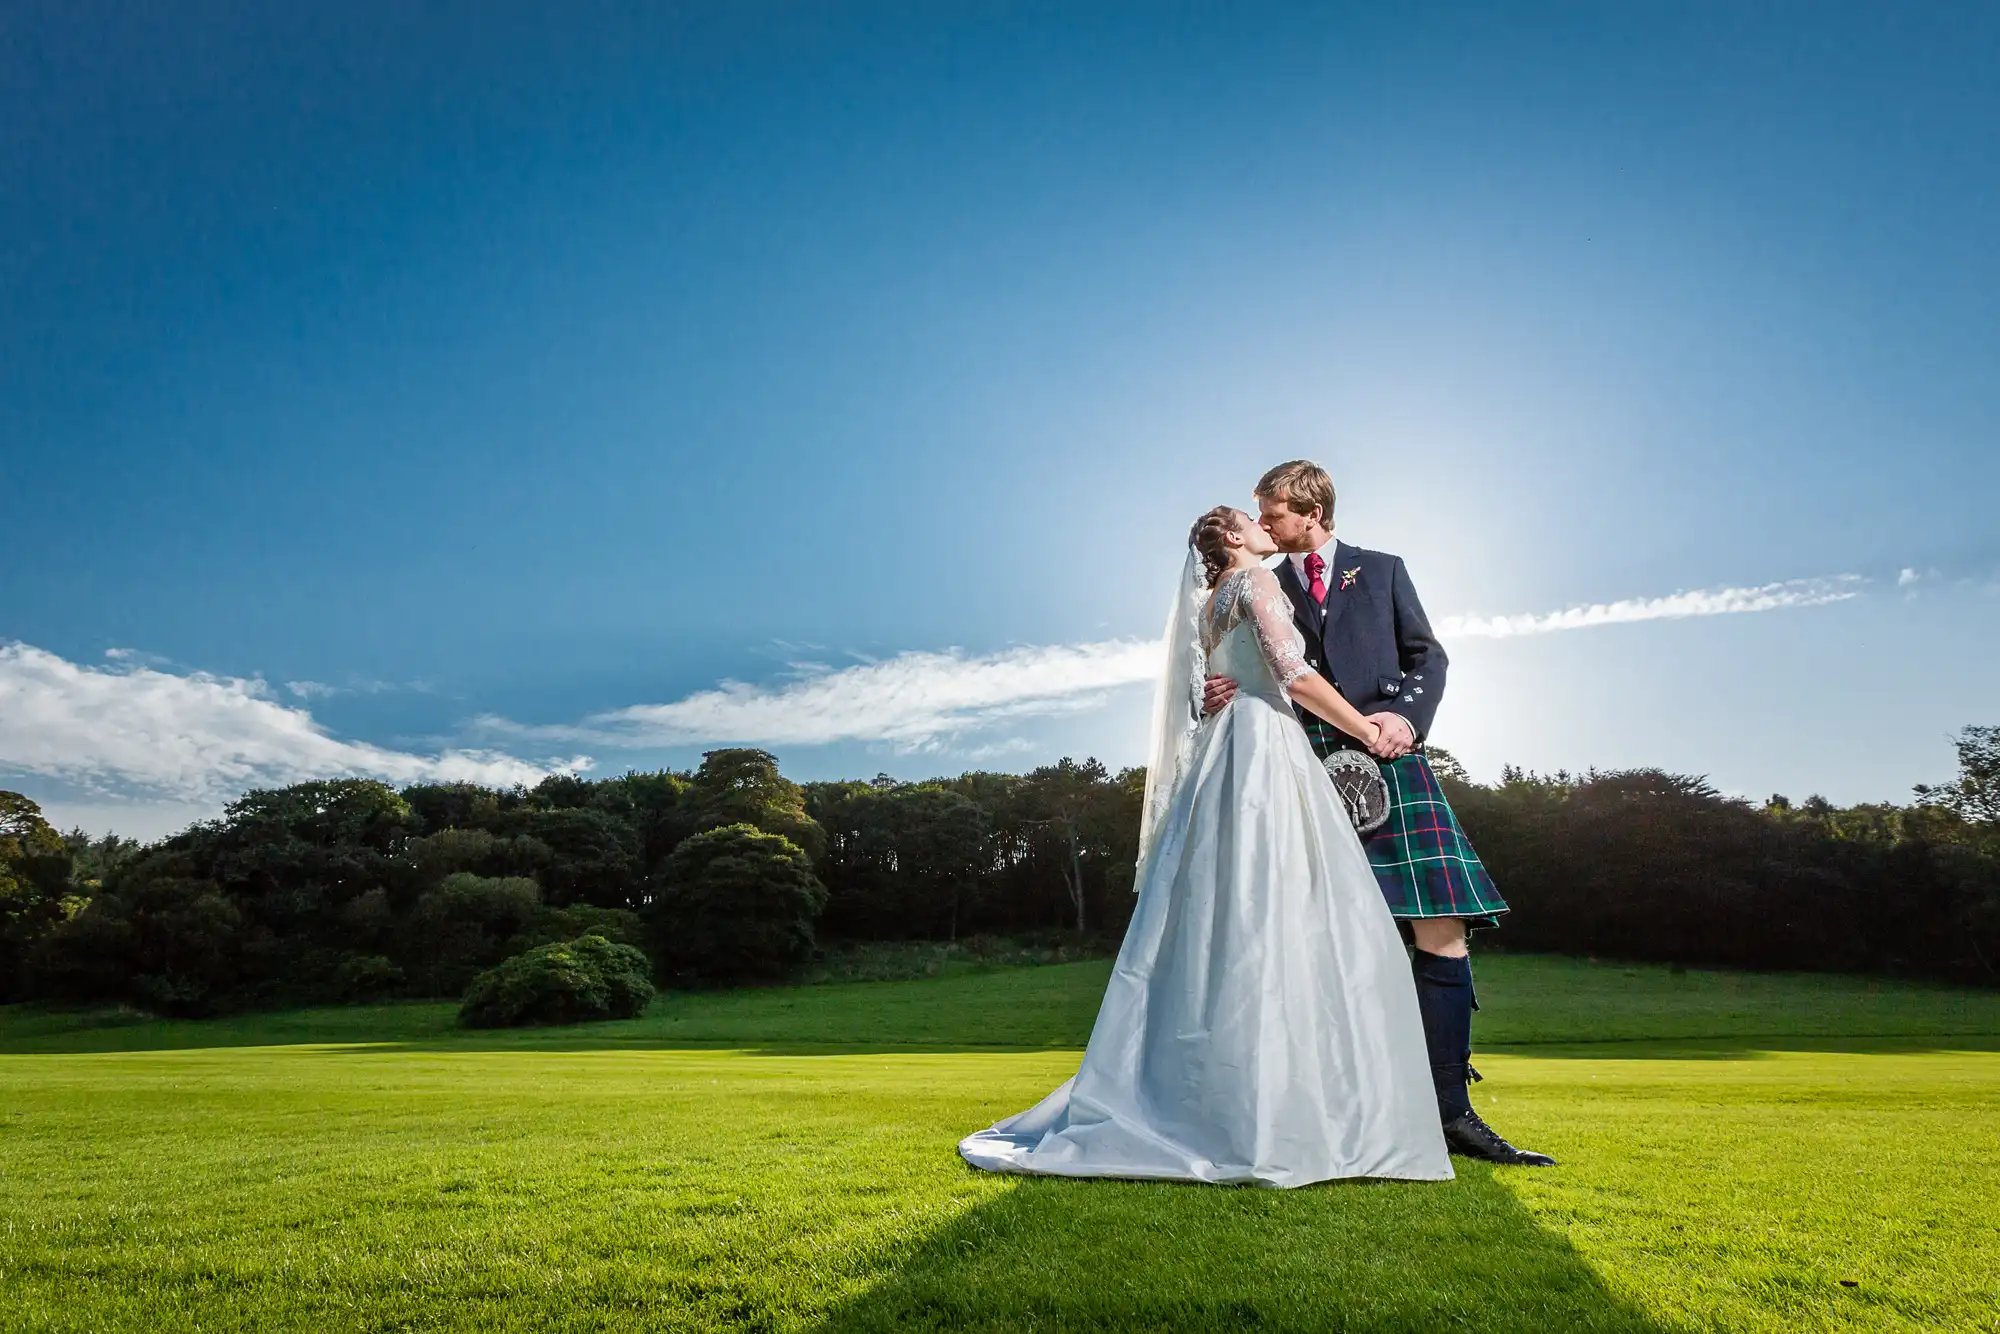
{"x":1216,"y":691}
{"x":1370,"y":735}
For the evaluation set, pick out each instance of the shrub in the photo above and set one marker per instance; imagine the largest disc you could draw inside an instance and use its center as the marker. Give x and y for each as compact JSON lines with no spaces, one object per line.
{"x":735,"y":904}
{"x":365,"y":977}
{"x":565,"y":983}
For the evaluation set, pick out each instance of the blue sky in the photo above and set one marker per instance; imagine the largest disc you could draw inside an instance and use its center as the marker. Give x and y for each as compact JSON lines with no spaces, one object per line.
{"x":467,"y":388}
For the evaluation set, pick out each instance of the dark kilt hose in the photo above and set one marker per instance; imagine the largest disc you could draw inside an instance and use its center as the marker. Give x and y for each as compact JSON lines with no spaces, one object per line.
{"x":1373,"y":642}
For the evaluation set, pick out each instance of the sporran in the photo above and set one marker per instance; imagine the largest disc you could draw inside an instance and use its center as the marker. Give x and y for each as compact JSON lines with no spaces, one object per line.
{"x":1358,"y":780}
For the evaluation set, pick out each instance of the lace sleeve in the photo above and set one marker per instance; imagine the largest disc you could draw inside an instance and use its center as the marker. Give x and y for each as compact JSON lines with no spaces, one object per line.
{"x":1270,"y":614}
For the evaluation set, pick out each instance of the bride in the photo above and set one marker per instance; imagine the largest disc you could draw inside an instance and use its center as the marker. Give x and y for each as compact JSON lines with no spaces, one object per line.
{"x":1260,"y":1026}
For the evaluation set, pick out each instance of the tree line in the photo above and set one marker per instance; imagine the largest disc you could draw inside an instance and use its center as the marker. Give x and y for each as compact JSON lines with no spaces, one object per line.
{"x":348,"y":890}
{"x":1661,"y":867}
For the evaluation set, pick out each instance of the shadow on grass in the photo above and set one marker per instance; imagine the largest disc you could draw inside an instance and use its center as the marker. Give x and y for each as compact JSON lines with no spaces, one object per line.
{"x":423,"y":1027}
{"x":1750,"y":1047}
{"x":431,"y":1028}
{"x":1674,"y":1049}
{"x":1053,"y":1254}
{"x":981,"y":1010}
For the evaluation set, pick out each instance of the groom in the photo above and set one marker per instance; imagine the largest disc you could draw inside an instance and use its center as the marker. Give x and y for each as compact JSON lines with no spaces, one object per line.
{"x":1366,"y":633}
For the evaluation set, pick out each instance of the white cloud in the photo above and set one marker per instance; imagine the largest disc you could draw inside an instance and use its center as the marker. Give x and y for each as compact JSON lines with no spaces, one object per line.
{"x":929,"y":701}
{"x":321,"y":690}
{"x":913,"y":700}
{"x":133,"y":657}
{"x":195,"y":737}
{"x":1701,"y":602}
{"x":1909,"y":579}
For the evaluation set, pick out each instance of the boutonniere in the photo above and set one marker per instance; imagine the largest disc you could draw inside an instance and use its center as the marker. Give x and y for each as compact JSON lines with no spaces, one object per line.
{"x":1349,"y":578}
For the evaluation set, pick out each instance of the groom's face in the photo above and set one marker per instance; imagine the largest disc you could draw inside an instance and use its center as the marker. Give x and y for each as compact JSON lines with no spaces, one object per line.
{"x":1290,"y":530}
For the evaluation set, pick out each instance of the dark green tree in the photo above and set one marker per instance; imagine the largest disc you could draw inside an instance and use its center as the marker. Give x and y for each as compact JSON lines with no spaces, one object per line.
{"x":562,"y":792}
{"x":593,"y":857}
{"x":467,"y":923}
{"x":1975,"y":797}
{"x":902,"y":860}
{"x":438,"y":855}
{"x":1446,"y":766}
{"x":1066,"y":801}
{"x":94,"y":857}
{"x":161,"y":938}
{"x":35,"y":891}
{"x":745,"y":787}
{"x":460,"y":805}
{"x":735,"y":904}
{"x":335,"y":812}
{"x":657,"y":807}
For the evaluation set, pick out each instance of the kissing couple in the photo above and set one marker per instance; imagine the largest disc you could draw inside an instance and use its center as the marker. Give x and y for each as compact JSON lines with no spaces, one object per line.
{"x":1264,"y":1024}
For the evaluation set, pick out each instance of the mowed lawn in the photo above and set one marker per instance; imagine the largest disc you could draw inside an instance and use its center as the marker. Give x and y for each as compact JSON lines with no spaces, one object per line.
{"x":1738,"y":1152}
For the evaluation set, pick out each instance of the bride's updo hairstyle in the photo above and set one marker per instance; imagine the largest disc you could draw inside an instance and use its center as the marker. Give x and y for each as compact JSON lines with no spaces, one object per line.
{"x":1207,"y":536}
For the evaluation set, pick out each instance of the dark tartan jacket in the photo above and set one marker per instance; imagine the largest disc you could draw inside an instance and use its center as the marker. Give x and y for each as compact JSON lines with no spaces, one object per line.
{"x":1372,"y":640}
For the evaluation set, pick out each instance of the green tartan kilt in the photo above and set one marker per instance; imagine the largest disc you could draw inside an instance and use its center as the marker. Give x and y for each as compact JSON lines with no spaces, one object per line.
{"x":1422,"y":859}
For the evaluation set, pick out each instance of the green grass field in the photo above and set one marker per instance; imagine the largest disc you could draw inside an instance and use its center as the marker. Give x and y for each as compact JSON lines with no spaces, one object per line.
{"x":1738,"y":1152}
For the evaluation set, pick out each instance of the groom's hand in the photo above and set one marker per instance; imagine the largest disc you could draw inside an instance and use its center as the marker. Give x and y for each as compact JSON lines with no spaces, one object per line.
{"x":1216,"y":691}
{"x":1396,"y":737}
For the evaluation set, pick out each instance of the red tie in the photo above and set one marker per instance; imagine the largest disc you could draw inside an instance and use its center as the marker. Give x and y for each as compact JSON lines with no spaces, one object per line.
{"x":1316,"y":577}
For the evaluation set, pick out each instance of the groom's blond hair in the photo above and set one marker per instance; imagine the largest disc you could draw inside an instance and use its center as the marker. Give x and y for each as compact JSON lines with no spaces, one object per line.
{"x":1300,"y":485}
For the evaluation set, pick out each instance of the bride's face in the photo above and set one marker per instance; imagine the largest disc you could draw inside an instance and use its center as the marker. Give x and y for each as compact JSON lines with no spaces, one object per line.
{"x":1255,"y":540}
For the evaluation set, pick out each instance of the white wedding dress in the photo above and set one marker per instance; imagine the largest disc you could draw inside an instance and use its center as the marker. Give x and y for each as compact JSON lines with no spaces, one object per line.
{"x":1261,"y":1024}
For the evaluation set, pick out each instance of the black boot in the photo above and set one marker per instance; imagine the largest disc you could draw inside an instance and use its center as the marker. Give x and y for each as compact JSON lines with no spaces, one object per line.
{"x":1444,"y":998}
{"x":1475,"y":1139}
